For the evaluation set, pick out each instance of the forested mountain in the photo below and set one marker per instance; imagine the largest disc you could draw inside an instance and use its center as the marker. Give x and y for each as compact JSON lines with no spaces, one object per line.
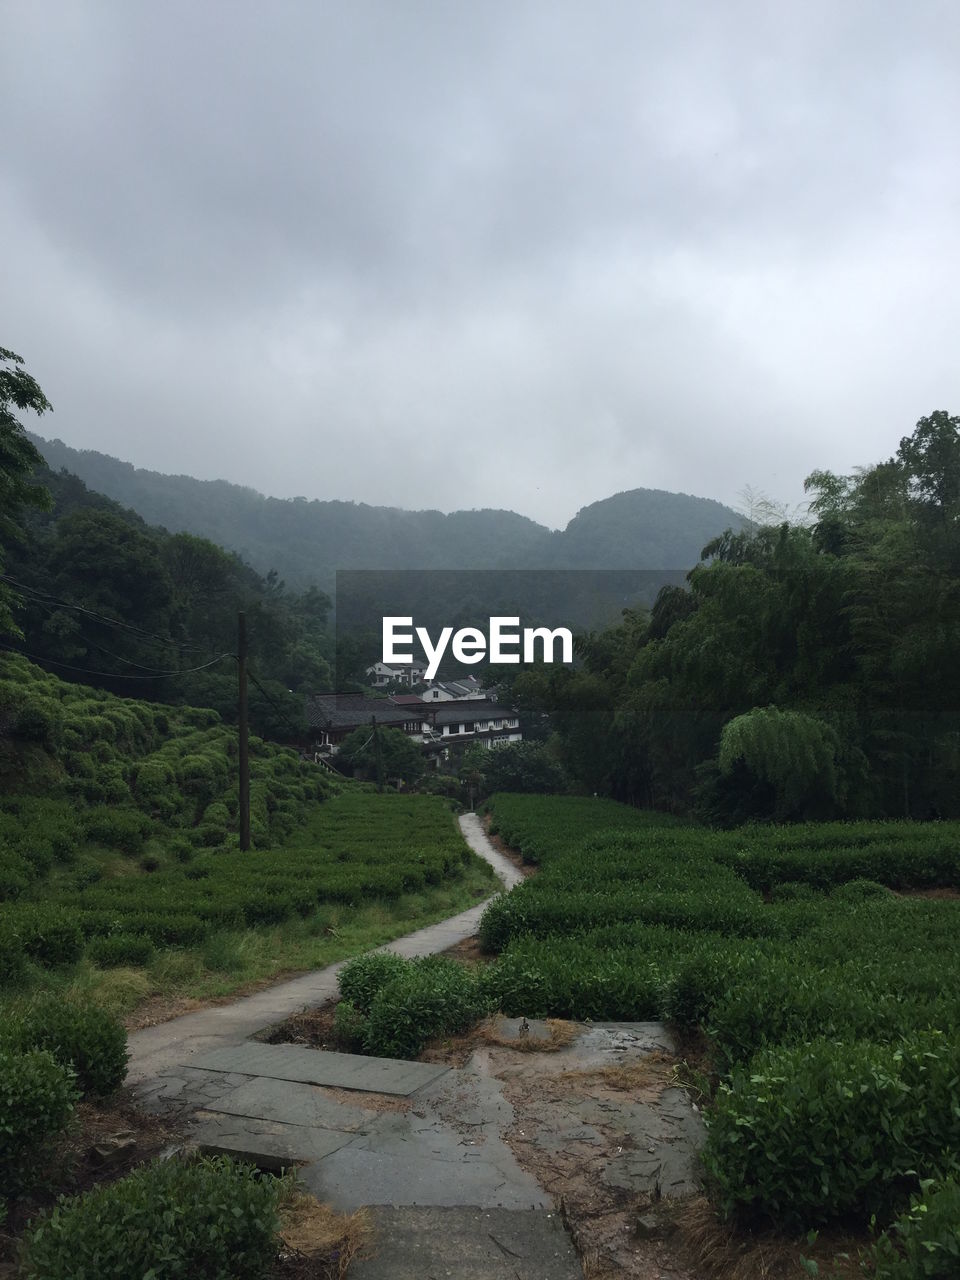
{"x":103,"y":597}
{"x":306,"y":541}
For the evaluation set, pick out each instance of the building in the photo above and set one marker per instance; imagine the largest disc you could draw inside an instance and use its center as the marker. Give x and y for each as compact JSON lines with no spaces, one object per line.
{"x":473,"y":720}
{"x":332,"y":716}
{"x":452,"y":690}
{"x":408,"y":673}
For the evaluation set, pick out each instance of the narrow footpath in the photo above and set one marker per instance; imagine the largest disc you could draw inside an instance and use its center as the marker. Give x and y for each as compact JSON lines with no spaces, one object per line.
{"x":156,"y":1052}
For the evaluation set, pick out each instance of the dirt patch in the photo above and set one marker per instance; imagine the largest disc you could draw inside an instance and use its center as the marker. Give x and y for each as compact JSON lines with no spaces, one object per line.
{"x":469,"y":953}
{"x":570,"y":1158}
{"x":368,"y":1101}
{"x":945,"y":895}
{"x":456,"y":1051}
{"x":313,"y":1027}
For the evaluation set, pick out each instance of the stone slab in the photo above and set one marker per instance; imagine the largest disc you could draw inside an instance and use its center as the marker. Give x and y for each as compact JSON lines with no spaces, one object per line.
{"x":470,"y":1244}
{"x":319,"y":1066}
{"x":289,"y":1102}
{"x":263,"y":1142}
{"x":355,"y":1176}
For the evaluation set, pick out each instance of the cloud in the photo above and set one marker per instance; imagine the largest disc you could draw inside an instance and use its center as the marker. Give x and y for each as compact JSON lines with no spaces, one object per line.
{"x":492,"y":255}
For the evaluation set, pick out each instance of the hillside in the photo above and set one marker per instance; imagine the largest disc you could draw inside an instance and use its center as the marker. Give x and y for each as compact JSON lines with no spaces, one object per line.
{"x":306,"y":541}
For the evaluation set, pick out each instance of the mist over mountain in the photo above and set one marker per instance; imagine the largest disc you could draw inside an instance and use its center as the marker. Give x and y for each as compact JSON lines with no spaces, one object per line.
{"x":307,"y":541}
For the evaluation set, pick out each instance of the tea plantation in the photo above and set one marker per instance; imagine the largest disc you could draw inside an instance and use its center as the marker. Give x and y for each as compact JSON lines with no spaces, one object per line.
{"x":117,"y":832}
{"x":828,"y":990}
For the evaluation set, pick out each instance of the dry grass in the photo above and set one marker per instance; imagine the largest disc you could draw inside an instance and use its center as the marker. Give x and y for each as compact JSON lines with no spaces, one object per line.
{"x":655,"y":1068}
{"x":720,"y":1252}
{"x":561,"y":1033}
{"x":317,"y":1241}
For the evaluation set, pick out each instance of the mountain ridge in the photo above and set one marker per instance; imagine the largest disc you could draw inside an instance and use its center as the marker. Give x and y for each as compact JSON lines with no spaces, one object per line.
{"x":306,"y":540}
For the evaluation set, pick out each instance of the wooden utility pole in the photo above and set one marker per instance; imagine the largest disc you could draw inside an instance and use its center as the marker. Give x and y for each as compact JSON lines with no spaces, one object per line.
{"x":244,"y":731}
{"x":378,"y":748}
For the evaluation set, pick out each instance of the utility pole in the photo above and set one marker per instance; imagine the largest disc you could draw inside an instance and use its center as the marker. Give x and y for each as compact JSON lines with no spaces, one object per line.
{"x":244,"y":731}
{"x":378,"y":749}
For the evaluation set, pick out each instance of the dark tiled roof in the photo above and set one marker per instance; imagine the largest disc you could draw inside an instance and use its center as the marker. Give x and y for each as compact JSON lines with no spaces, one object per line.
{"x":458,"y":712}
{"x":406,"y":699}
{"x":349,"y":710}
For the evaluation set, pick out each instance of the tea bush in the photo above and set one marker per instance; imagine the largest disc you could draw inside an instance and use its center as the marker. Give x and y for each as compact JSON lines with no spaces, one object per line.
{"x":427,"y":998}
{"x":810,"y":1134}
{"x":362,"y":978}
{"x":121,"y":949}
{"x":87,"y":1039}
{"x":924,"y":1242}
{"x":211,"y":1218}
{"x":37,"y":1099}
{"x":815,"y":984}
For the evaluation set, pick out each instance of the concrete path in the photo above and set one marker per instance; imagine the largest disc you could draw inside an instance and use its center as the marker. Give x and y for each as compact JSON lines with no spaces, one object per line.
{"x":157,"y":1052}
{"x":422,"y":1143}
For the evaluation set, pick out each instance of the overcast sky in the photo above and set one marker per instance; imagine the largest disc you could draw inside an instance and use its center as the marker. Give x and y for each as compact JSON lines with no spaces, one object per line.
{"x":486,"y":253}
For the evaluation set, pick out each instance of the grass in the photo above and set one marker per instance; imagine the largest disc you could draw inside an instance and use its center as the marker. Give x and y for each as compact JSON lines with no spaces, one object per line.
{"x":228,"y":962}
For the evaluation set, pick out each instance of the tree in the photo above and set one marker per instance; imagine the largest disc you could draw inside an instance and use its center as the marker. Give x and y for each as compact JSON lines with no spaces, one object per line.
{"x":18,"y":460}
{"x":400,"y":757}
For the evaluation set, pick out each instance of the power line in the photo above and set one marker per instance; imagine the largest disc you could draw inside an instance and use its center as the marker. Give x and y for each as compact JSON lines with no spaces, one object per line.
{"x":45,"y":598}
{"x":95,"y":644}
{"x":113,"y":675}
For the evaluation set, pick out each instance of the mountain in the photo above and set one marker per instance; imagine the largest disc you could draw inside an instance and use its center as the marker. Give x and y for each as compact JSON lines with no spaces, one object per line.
{"x":306,"y":541}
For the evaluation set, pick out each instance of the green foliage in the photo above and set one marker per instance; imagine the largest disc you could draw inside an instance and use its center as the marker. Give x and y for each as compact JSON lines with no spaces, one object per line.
{"x":363,"y":977}
{"x":349,"y":1026}
{"x":924,"y":1242}
{"x":48,"y":934}
{"x":18,"y":459}
{"x":121,"y":949}
{"x":399,"y":756}
{"x":517,"y":767}
{"x":431,"y":997}
{"x":37,"y":1098}
{"x":817,"y":1005}
{"x":88,"y":1039}
{"x":212,"y":1218}
{"x":822,"y":1131}
{"x":795,"y":754}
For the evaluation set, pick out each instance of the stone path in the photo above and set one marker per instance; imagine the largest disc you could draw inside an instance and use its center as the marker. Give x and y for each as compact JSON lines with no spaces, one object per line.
{"x":420,"y":1144}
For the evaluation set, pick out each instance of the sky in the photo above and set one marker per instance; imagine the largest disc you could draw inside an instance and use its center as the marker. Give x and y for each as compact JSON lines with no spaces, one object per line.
{"x":443,"y":254}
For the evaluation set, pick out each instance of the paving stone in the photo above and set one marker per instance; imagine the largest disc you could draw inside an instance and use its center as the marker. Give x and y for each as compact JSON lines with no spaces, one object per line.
{"x":469,"y":1244}
{"x":265,"y":1143}
{"x":292,"y":1103}
{"x":316,"y":1066}
{"x":354,"y":1176}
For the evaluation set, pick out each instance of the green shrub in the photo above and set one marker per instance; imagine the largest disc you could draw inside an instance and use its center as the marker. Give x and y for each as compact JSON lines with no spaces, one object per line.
{"x":363,"y":977}
{"x":432,"y":997}
{"x":123,"y":829}
{"x":86,"y":1038}
{"x":121,"y":949}
{"x":12,"y":958}
{"x":349,"y":1026}
{"x":924,"y":1242}
{"x":828,"y":1130}
{"x":211,"y":1218}
{"x":49,"y":934}
{"x":37,"y":1098}
{"x":860,"y":890}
